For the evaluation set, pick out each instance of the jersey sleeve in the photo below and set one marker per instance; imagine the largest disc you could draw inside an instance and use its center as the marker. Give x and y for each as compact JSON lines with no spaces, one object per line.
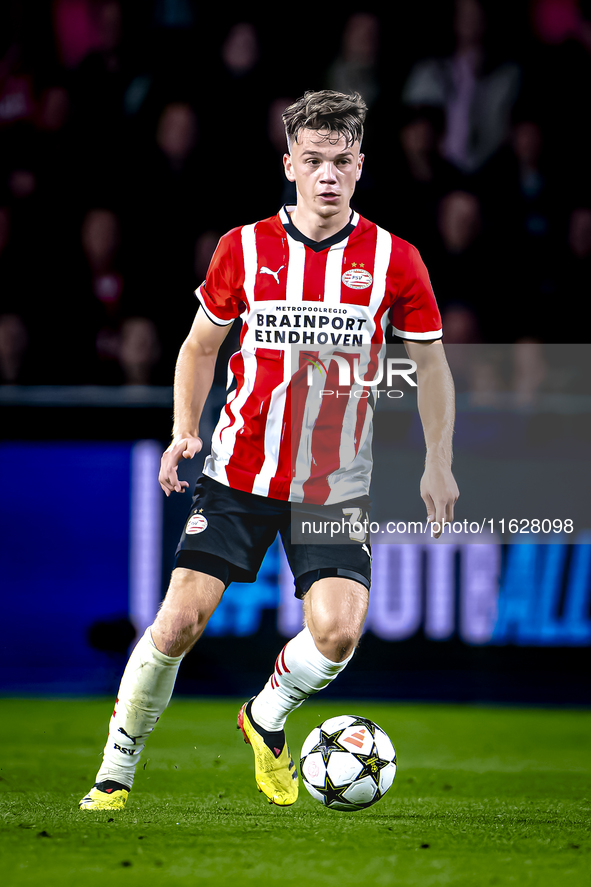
{"x":222,"y":292}
{"x":414,"y":313}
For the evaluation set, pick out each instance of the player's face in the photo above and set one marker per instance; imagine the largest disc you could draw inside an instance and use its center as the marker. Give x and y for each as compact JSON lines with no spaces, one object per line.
{"x":325,"y":170}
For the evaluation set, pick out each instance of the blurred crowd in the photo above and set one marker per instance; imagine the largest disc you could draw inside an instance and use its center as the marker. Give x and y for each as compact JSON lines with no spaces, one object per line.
{"x":133,"y":133}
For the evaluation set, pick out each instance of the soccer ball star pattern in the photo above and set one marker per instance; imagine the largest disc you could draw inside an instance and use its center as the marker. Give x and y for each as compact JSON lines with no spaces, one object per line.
{"x":348,"y":763}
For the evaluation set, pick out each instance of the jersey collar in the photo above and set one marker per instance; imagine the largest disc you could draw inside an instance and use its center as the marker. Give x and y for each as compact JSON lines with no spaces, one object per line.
{"x":317,"y":245}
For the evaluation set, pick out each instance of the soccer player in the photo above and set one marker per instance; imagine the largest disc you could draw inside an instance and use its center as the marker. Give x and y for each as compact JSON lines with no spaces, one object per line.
{"x":313,"y":274}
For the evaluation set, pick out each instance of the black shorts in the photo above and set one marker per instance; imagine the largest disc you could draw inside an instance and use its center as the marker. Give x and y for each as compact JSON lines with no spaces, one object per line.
{"x":228,"y":532}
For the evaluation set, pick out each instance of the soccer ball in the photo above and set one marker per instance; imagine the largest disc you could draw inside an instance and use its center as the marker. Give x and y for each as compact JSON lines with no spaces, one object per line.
{"x":348,"y":763}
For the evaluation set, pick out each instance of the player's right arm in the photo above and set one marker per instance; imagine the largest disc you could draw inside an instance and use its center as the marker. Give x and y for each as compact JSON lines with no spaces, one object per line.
{"x":192,"y":383}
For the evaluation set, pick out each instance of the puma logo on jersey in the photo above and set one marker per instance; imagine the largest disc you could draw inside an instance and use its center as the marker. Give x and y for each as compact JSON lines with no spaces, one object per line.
{"x":275,"y":274}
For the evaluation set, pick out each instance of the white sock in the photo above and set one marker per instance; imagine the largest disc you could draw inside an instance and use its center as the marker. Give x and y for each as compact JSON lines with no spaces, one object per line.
{"x":300,"y":670}
{"x":144,"y":693}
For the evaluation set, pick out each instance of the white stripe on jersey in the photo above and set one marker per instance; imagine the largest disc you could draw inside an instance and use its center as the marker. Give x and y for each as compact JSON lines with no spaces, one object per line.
{"x":340,"y":480}
{"x":217,"y":464}
{"x":214,"y":461}
{"x":249,"y":251}
{"x":222,"y":449}
{"x":436,"y":334}
{"x":273,"y":428}
{"x":380,"y":271}
{"x":303,"y":458}
{"x":334,"y":269}
{"x":343,"y":484}
{"x":294,"y":288}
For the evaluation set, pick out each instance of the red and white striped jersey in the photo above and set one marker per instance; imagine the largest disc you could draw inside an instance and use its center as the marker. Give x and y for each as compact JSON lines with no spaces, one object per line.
{"x":306,"y":304}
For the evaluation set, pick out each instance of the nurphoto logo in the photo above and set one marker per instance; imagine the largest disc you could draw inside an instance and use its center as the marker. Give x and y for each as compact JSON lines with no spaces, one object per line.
{"x":383,"y":369}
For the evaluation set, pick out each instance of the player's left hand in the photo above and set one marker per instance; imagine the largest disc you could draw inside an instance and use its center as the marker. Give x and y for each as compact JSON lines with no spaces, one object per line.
{"x":439,"y":492}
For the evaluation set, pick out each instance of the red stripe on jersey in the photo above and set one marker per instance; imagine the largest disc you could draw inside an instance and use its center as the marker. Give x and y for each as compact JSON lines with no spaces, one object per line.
{"x":237,"y":368}
{"x":369,"y":375}
{"x":360,"y":421}
{"x":295,"y":404}
{"x":246,"y":455}
{"x":378,"y":333}
{"x":326,"y":436}
{"x":314,"y":275}
{"x":293,"y":420}
{"x":359,"y":256}
{"x":272,"y":261}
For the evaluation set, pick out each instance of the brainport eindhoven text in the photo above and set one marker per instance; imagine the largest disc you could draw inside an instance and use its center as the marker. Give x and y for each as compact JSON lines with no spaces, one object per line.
{"x":285,"y":329}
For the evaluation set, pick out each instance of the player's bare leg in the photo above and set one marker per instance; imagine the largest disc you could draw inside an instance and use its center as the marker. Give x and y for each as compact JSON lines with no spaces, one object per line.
{"x":148,"y":682}
{"x":334,"y":611}
{"x":190,"y":601}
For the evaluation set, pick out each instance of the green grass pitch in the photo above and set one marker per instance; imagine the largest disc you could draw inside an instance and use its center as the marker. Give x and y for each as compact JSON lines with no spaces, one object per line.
{"x":483,"y":796}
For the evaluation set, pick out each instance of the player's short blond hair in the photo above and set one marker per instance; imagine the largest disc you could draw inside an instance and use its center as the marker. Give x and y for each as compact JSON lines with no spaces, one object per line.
{"x":326,"y":111}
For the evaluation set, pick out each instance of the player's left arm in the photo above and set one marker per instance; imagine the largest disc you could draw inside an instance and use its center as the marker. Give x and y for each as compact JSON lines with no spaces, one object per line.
{"x":436,"y":400}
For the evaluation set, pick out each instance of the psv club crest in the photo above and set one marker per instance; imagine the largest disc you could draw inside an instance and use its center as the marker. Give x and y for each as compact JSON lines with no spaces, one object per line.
{"x":357,"y":278}
{"x":197,"y":523}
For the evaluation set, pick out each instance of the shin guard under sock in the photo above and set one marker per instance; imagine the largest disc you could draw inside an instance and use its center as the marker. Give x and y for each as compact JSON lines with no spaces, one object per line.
{"x":144,"y":693}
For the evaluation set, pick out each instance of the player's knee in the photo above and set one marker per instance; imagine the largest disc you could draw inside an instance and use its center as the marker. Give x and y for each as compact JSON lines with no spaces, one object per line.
{"x":189,"y":603}
{"x":343,"y":646}
{"x":173,"y":637}
{"x":175,"y":631}
{"x":334,"y":639}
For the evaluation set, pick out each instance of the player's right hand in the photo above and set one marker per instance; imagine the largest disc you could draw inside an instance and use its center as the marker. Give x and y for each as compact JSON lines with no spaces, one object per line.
{"x":181,"y":447}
